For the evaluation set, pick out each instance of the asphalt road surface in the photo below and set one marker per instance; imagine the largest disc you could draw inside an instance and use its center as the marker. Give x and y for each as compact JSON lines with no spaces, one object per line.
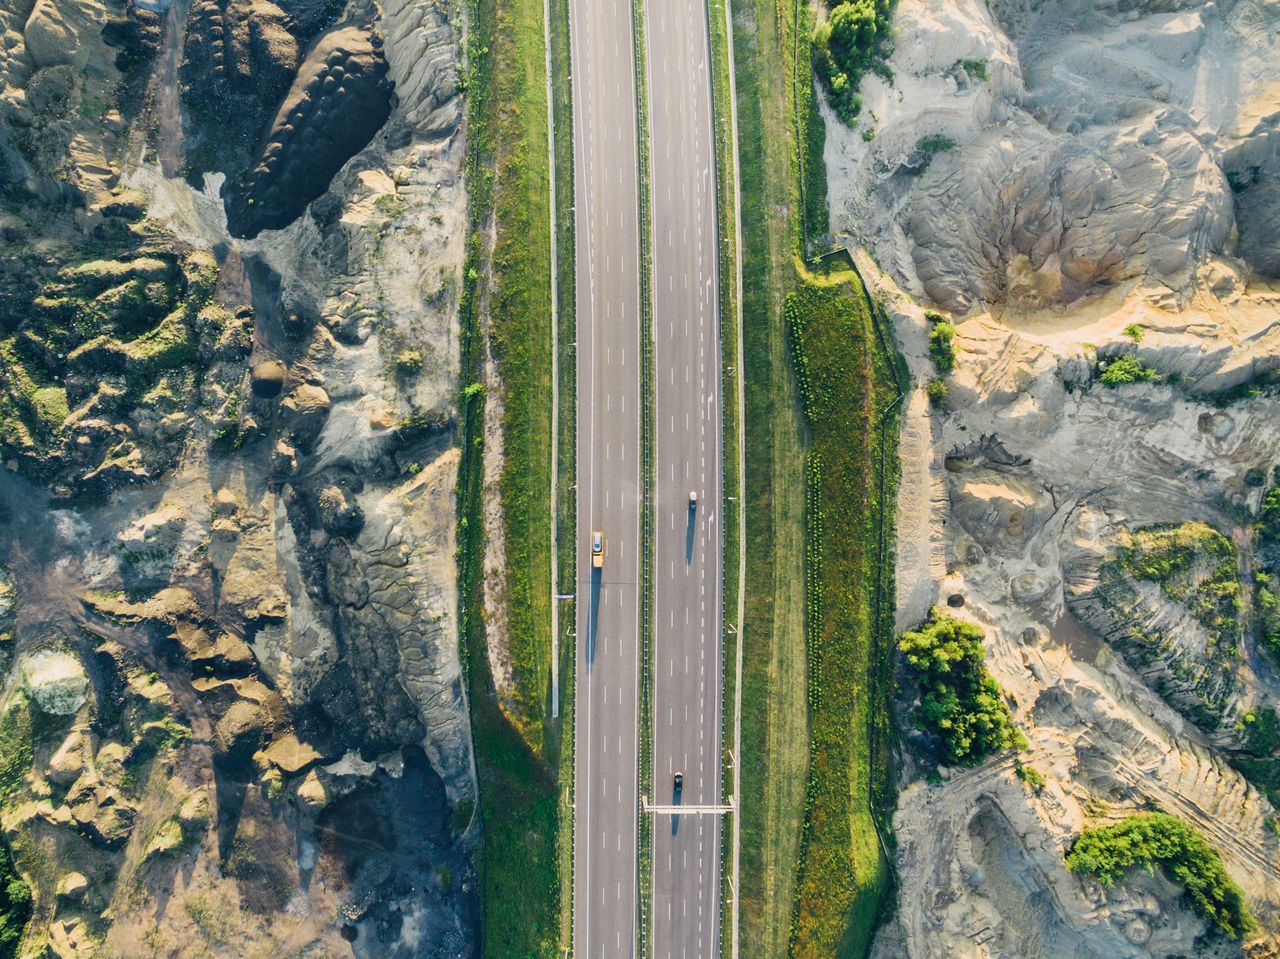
{"x":687,"y":593}
{"x":607,"y":246}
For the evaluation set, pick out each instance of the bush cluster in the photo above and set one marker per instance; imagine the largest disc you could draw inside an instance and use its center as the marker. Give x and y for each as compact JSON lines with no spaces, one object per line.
{"x":1269,"y":517}
{"x":942,"y":342}
{"x":1030,"y":775}
{"x":961,"y":702}
{"x":845,"y":46}
{"x":927,"y":147}
{"x":1267,"y":605}
{"x":1158,"y":839}
{"x":15,"y":905}
{"x":1266,"y":593}
{"x":1126,"y":369}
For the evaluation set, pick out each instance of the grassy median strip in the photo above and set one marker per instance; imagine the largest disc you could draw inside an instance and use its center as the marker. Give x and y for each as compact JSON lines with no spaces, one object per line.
{"x":644,"y":838}
{"x":516,"y":752}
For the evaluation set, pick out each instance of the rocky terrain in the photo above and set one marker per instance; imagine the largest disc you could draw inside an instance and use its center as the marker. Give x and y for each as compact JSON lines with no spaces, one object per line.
{"x":233,"y":720}
{"x":1076,"y":185}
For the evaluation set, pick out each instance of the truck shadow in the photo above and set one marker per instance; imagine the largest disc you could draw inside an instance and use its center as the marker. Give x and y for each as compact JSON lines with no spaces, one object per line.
{"x":593,"y":619}
{"x":688,"y":535}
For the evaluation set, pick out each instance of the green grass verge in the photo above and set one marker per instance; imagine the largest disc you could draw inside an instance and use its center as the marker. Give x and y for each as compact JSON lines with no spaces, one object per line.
{"x":644,"y":837}
{"x":809,"y":132}
{"x":566,"y":498}
{"x":846,"y":383}
{"x":814,"y":871}
{"x":520,"y":808}
{"x":774,"y":771}
{"x":520,"y":338}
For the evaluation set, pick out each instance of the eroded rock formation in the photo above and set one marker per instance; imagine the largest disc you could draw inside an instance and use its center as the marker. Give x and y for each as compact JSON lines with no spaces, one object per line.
{"x":233,"y":716}
{"x":1076,"y":184}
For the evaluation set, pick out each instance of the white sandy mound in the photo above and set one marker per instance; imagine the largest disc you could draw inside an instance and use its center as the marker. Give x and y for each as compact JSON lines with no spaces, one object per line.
{"x":56,"y":681}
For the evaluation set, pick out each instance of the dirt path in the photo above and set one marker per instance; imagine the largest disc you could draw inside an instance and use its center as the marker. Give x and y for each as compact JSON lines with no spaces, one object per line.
{"x":170,"y":138}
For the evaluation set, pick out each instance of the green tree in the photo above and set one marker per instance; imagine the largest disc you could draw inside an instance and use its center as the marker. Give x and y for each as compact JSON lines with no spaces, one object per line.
{"x":961,"y":703}
{"x":942,"y":346}
{"x":1158,"y":839}
{"x":846,"y":45}
{"x":15,"y":906}
{"x":1127,"y":369}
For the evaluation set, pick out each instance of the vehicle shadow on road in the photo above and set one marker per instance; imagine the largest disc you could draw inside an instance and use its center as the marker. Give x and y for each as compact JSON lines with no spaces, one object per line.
{"x":688,"y":536}
{"x":593,"y":618}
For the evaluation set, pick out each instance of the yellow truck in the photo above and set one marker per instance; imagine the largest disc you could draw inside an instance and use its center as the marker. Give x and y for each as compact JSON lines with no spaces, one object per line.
{"x":597,"y":548}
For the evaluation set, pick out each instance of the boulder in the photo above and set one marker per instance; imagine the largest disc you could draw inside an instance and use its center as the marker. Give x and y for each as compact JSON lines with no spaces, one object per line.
{"x":312,"y":795}
{"x":193,"y":814}
{"x":72,"y":887}
{"x":70,"y":939}
{"x":70,"y":759}
{"x":288,"y":754}
{"x":240,"y":726}
{"x":267,"y":379}
{"x":307,"y":408}
{"x":340,"y":514}
{"x":56,"y":681}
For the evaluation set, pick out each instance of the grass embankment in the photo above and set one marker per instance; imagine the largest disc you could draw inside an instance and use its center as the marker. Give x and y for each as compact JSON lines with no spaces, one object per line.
{"x":517,"y":751}
{"x":846,"y":383}
{"x":830,"y":904}
{"x":773,"y":677}
{"x":520,"y":339}
{"x":566,"y":498}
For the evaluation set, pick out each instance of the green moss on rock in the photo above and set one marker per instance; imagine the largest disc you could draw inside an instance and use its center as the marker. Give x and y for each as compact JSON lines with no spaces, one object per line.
{"x":93,"y":346}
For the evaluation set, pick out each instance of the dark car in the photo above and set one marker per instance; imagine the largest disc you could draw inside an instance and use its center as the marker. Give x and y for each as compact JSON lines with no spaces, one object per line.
{"x":679,"y":783}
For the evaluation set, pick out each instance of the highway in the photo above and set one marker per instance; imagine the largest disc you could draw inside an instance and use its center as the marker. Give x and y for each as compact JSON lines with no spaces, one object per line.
{"x":688,"y":546}
{"x":607,"y":297}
